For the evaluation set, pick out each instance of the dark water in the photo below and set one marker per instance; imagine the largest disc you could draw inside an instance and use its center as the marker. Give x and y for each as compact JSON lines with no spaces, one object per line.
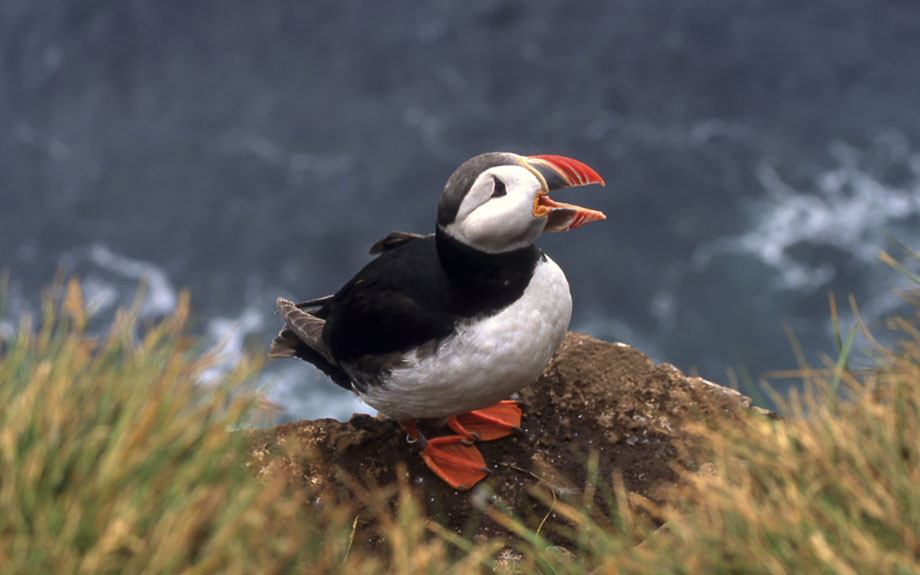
{"x":758,"y":154}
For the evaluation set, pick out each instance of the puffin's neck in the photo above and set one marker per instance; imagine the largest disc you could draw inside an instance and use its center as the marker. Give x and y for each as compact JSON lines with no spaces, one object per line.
{"x":502,"y":276}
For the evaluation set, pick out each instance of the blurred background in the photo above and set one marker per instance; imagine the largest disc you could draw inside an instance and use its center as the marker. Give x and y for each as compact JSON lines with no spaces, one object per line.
{"x":758,"y":154}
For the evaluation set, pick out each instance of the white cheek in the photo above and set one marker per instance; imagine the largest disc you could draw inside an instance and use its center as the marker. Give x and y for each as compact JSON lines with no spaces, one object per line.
{"x":498,"y":216}
{"x":502,"y":225}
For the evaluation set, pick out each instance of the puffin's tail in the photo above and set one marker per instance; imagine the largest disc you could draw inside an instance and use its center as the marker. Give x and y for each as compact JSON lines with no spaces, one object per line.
{"x":302,"y":338}
{"x":302,"y":329}
{"x":285,"y":344}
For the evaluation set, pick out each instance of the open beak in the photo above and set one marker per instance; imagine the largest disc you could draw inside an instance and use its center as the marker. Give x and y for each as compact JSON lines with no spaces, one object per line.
{"x":557,"y":172}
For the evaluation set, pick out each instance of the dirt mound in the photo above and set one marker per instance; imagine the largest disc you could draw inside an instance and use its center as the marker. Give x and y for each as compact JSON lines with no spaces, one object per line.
{"x":599,"y":398}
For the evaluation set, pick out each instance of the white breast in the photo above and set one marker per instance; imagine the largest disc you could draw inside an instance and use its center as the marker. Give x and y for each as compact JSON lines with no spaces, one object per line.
{"x":487,"y":360}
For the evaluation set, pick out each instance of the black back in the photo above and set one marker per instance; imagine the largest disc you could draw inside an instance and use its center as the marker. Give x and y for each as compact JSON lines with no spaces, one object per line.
{"x":417,"y":292}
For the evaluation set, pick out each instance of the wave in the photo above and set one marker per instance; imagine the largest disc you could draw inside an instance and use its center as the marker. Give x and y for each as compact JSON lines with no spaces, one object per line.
{"x":303,"y":392}
{"x":848,"y":207}
{"x":295,"y":389}
{"x":110,"y":281}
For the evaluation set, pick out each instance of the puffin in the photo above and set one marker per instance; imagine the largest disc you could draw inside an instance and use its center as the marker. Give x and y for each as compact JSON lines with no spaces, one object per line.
{"x":447,"y":326}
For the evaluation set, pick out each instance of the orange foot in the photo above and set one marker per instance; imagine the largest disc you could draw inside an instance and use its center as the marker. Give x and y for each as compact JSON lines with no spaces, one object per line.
{"x":487,"y":424}
{"x":452,"y":458}
{"x":455,"y":461}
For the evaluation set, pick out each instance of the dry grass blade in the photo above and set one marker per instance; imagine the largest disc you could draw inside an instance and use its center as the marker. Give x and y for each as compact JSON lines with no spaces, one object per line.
{"x":543,"y":481}
{"x":113,"y":459}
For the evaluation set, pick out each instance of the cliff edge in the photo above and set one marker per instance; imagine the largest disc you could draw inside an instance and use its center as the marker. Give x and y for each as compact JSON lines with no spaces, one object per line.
{"x":598,"y":401}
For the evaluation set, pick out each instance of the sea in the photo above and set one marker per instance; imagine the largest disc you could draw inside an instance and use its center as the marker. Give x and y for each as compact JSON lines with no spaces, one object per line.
{"x":759,"y":155}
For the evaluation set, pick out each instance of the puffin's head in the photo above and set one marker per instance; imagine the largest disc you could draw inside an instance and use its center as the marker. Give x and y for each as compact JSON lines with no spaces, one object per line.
{"x":499,"y":202}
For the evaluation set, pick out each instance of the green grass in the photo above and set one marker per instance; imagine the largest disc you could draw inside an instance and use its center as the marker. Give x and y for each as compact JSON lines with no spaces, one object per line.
{"x":114,"y":460}
{"x":831,"y":488}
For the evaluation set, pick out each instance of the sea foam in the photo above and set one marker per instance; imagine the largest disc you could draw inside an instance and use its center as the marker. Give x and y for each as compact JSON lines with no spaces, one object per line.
{"x":847,"y":207}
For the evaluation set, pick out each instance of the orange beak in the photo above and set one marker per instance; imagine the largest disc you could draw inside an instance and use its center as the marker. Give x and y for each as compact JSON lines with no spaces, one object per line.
{"x":557,"y":172}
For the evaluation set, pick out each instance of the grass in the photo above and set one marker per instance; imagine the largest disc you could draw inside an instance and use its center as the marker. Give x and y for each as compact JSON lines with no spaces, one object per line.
{"x":114,"y":460}
{"x":831,"y":488}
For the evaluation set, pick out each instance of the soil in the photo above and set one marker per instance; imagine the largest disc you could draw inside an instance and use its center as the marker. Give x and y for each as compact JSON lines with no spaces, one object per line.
{"x":596,"y":400}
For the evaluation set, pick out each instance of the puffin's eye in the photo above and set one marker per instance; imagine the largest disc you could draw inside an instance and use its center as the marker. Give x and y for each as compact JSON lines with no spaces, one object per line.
{"x":498,"y":188}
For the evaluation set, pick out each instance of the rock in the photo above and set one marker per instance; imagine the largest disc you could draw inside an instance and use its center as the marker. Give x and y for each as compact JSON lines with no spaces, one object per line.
{"x":598,"y":401}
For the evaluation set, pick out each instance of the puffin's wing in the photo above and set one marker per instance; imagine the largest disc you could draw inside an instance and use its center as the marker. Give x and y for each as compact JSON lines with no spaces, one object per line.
{"x":394,"y":240}
{"x":397,"y":302}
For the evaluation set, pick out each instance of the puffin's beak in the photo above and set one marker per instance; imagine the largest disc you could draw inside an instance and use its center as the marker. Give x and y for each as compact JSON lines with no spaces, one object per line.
{"x":557,"y":172}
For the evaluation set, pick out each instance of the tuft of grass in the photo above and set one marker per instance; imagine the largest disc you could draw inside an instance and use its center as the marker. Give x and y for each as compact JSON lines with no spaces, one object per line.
{"x":833,"y":487}
{"x":114,"y":460}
